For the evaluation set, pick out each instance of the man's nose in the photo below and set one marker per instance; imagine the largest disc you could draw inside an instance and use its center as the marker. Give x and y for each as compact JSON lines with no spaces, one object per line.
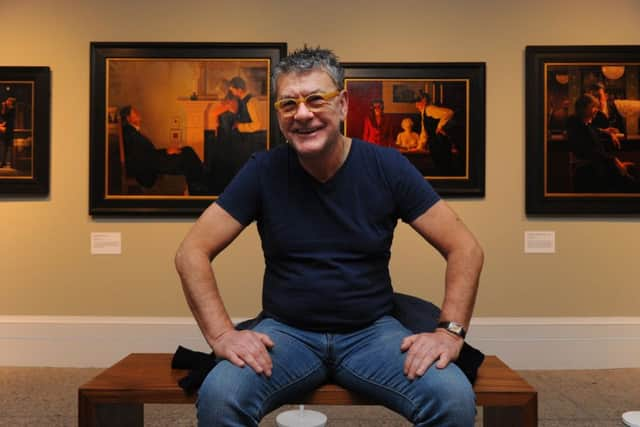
{"x":302,"y":112}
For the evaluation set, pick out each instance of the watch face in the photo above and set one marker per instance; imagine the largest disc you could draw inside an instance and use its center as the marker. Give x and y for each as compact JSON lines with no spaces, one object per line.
{"x":455,"y":328}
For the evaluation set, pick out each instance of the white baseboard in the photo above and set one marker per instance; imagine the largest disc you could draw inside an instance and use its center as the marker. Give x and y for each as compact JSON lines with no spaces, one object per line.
{"x":523,"y":343}
{"x":560,"y":342}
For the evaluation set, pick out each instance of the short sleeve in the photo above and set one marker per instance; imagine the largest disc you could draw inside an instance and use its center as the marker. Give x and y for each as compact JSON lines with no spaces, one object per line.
{"x":241,"y":198}
{"x":412,"y":193}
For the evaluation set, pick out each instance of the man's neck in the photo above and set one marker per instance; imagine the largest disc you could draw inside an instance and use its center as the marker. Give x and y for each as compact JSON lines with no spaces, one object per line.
{"x":323,"y":167}
{"x":136,"y":127}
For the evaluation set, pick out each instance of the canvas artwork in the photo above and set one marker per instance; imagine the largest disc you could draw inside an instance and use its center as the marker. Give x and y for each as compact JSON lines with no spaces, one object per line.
{"x":24,"y":130}
{"x":583,"y":141}
{"x":426,"y":120}
{"x":432,"y":113}
{"x":173,"y":123}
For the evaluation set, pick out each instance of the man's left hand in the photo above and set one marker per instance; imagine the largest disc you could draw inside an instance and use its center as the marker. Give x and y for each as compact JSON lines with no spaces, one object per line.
{"x":426,"y":348}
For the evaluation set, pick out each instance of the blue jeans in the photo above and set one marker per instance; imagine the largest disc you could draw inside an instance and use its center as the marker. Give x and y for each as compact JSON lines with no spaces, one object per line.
{"x":368,"y":361}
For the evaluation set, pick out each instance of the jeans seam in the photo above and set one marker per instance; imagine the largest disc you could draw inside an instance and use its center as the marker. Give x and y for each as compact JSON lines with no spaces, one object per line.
{"x":387,"y":388}
{"x":270,"y":396}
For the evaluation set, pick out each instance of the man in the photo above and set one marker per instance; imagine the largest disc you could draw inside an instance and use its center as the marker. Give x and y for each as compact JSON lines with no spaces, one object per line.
{"x":606,"y":116}
{"x":7,"y":125}
{"x":326,"y":207}
{"x":241,"y":131}
{"x":597,"y":170}
{"x":144,"y":161}
{"x":432,"y":124}
{"x":249,"y":117}
{"x":377,"y":125}
{"x":249,"y":126}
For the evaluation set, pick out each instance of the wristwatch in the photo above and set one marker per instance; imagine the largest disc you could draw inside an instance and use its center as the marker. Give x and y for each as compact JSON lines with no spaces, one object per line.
{"x":453,"y":327}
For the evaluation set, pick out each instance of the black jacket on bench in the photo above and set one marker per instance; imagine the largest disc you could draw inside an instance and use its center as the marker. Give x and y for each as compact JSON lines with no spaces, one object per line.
{"x":415,"y":314}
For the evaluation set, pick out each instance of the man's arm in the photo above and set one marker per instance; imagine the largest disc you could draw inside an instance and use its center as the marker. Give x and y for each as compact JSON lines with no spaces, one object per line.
{"x":257,"y":122}
{"x":213,"y":232}
{"x":444,"y":114}
{"x":442,"y":228}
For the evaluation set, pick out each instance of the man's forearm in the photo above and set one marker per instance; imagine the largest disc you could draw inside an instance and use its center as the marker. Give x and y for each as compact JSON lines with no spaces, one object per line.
{"x":202,"y":295}
{"x":461,"y":283}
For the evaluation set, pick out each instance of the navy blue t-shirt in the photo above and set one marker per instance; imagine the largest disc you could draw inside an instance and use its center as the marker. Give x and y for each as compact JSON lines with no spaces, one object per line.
{"x":327,"y":245}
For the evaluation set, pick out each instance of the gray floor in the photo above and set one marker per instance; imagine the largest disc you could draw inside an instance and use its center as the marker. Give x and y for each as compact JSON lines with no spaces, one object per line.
{"x":48,"y":397}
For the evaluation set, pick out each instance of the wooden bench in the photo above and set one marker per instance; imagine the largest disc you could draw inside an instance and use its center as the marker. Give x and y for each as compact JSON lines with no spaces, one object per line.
{"x":116,"y":396}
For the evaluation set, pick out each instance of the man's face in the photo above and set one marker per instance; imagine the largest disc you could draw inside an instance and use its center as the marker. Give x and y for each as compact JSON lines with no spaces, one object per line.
{"x":421,"y":104}
{"x":311,"y":133}
{"x":590,"y":111}
{"x":235,"y":92}
{"x":134,"y":118}
{"x":602,"y":95}
{"x":10,"y":102}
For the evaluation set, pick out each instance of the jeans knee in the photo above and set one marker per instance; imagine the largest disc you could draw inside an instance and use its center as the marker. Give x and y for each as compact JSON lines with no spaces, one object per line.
{"x":223,"y":401}
{"x":448,"y":401}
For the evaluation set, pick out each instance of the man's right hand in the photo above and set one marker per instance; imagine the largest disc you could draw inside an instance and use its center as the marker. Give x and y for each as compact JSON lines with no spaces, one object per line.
{"x":245,"y":348}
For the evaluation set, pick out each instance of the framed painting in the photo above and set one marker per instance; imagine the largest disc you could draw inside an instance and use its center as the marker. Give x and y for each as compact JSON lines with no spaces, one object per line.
{"x":171,"y":123}
{"x":582,"y":130}
{"x":433,"y":113}
{"x":25,"y":121}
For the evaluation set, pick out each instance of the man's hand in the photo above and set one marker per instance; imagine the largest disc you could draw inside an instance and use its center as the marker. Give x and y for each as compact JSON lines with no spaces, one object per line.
{"x":425,"y":348}
{"x":614,"y":138}
{"x":245,"y":348}
{"x":172,"y":151}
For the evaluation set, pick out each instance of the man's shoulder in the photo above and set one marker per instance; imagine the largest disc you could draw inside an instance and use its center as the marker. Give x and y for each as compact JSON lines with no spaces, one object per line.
{"x":374,"y":150}
{"x":272,"y":157}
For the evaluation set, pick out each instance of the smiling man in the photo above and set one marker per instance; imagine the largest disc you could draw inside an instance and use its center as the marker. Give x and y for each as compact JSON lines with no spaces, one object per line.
{"x":326,"y":207}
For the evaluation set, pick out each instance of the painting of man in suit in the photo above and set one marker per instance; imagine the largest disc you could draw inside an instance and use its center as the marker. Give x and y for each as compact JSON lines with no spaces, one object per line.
{"x":436,"y":111}
{"x":213,"y":112}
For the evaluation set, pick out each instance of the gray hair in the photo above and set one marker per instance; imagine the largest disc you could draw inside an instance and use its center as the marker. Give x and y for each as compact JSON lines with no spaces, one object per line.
{"x":308,"y":59}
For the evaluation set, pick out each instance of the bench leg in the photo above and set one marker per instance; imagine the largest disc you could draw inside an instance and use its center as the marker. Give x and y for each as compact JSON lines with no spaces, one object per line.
{"x":111,"y":415}
{"x":512,"y":416}
{"x":120,"y":415}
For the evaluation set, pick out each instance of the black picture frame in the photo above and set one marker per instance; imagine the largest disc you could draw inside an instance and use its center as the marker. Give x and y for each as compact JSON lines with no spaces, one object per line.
{"x":456,"y":86}
{"x":563,"y":176}
{"x":27,"y":164}
{"x":176,"y":87}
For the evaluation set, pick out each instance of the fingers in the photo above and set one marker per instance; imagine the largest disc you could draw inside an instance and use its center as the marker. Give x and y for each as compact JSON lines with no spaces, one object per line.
{"x":443,"y":361}
{"x":258,"y":360}
{"x":418,"y":360}
{"x":425,"y":349}
{"x":406,"y":343}
{"x":256,"y":354}
{"x":265,"y":340}
{"x":233,"y":358}
{"x":246,"y":348}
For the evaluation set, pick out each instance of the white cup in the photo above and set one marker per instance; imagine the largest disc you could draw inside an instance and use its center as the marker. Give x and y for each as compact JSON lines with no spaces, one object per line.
{"x":301,"y":418}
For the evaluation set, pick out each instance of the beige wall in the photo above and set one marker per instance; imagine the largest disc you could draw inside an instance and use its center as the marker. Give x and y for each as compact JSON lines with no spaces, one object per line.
{"x":45,"y":265}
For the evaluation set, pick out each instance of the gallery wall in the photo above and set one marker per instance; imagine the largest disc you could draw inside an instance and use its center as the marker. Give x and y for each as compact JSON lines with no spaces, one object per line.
{"x":45,"y":263}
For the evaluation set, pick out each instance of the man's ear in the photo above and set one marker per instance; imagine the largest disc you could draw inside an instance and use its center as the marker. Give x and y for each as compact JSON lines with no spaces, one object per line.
{"x":344,"y":104}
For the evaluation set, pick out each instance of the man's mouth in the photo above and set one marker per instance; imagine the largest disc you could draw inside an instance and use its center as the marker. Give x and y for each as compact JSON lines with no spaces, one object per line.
{"x":307,"y":131}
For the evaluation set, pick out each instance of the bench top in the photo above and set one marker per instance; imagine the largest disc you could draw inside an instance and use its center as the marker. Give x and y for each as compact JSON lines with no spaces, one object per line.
{"x":148,"y":378}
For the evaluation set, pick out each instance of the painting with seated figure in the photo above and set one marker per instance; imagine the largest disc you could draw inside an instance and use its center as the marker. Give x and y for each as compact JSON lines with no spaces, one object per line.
{"x":583,"y":139}
{"x":432,"y":113}
{"x":172,"y":123}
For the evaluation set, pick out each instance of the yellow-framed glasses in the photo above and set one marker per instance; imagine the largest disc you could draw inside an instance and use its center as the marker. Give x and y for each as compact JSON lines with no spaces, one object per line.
{"x":314,"y":103}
